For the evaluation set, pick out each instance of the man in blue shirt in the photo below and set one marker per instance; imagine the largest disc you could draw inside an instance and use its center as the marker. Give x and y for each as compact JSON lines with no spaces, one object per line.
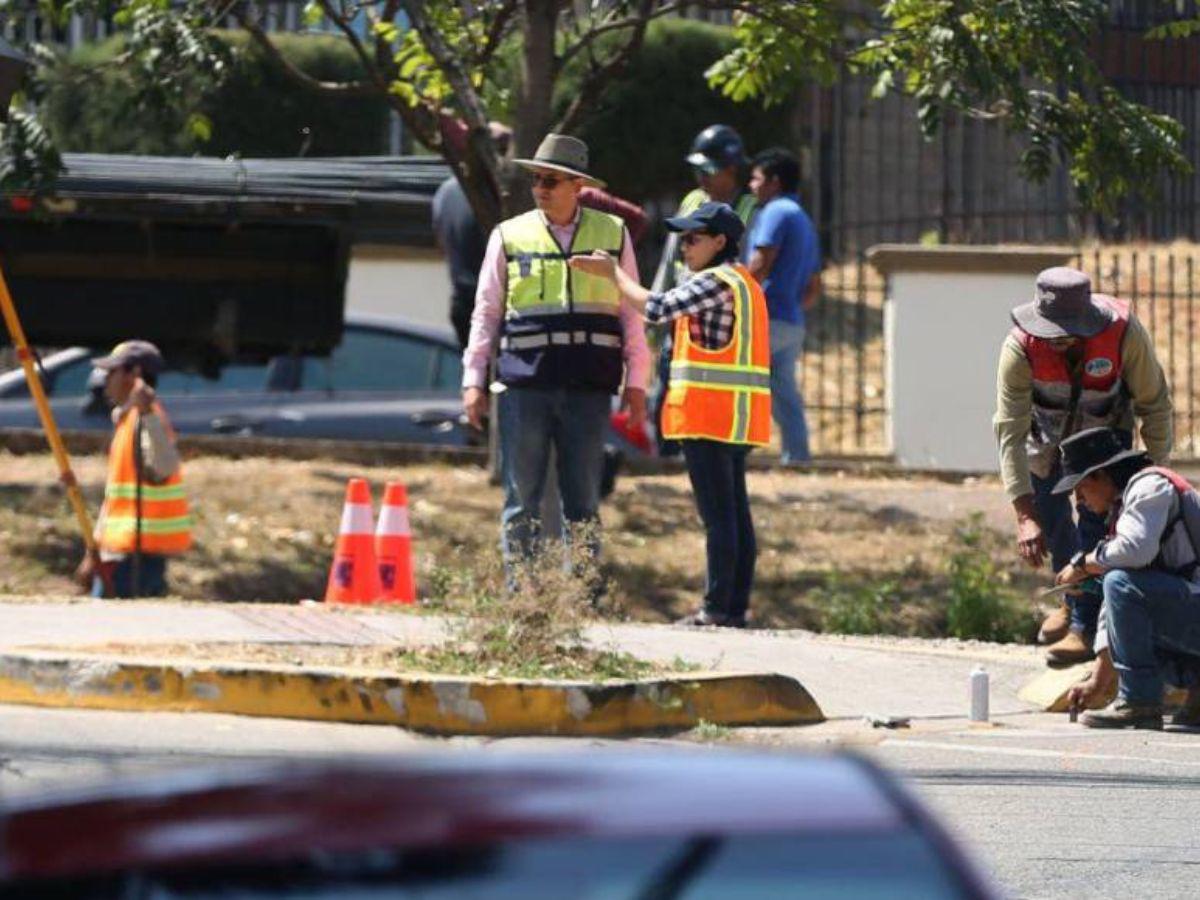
{"x":783,"y":254}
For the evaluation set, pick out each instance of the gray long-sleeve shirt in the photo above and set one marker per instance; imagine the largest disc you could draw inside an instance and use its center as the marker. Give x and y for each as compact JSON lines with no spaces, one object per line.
{"x":1148,"y":506}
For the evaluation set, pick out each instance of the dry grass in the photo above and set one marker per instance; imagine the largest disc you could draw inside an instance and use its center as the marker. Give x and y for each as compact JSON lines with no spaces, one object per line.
{"x":265,"y":531}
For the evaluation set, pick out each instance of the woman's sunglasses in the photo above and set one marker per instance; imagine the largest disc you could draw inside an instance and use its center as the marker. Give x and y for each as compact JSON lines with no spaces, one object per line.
{"x":693,"y":237}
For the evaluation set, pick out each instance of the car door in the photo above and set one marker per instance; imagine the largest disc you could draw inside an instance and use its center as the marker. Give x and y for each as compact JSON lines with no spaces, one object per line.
{"x":379,"y":384}
{"x":76,"y":405}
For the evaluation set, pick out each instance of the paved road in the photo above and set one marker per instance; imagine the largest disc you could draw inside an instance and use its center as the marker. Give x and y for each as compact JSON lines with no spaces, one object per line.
{"x":1051,"y":810}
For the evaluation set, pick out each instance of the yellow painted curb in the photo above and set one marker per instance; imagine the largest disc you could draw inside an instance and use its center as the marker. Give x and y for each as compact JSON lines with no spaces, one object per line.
{"x":1048,"y":691}
{"x":431,"y":703}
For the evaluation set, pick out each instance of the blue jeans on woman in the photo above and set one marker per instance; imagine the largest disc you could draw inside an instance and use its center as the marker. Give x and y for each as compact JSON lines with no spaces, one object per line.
{"x":1153,"y":630}
{"x":787,"y":403}
{"x":1064,"y":537}
{"x":718,"y":474}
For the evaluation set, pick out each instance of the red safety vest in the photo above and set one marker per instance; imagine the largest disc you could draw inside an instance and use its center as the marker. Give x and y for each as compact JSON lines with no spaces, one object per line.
{"x":1102,"y":398}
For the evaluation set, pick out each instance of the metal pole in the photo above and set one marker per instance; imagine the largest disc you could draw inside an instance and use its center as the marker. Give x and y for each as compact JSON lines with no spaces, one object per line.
{"x":25,"y":355}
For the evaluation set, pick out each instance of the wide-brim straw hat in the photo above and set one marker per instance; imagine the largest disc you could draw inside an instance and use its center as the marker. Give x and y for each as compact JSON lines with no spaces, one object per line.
{"x":562,"y":153}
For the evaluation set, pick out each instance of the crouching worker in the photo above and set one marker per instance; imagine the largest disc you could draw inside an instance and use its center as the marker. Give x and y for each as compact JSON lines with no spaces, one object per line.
{"x":718,"y":404}
{"x":145,"y":516}
{"x":1149,"y":631}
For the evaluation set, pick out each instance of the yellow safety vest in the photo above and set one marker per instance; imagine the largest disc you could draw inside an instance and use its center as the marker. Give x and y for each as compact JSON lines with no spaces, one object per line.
{"x":561,"y":326}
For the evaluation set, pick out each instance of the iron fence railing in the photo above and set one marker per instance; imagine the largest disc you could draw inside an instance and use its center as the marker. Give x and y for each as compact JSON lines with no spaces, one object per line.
{"x":1162,"y":285}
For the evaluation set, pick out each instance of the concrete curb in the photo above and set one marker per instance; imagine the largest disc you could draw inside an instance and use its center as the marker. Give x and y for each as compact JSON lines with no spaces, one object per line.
{"x":435,"y":704}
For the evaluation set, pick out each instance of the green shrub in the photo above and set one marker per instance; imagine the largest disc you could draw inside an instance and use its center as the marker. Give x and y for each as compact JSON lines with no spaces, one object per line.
{"x":981,"y":606}
{"x":660,"y":103}
{"x":93,"y":106}
{"x":855,"y":607}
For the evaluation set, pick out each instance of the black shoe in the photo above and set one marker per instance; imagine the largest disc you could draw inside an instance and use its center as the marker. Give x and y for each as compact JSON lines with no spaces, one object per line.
{"x":706,"y":619}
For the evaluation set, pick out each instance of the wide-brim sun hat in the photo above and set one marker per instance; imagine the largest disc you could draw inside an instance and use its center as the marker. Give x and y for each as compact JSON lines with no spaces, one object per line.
{"x":1063,"y":307}
{"x":562,"y":153}
{"x":1090,"y":451}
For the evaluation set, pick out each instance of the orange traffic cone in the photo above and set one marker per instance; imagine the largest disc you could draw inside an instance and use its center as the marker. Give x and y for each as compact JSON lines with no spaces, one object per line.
{"x":393,"y":546}
{"x":354,"y":575}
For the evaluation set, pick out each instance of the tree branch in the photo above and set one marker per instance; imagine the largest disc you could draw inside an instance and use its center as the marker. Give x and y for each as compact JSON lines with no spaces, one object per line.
{"x":599,"y":77}
{"x":368,"y":64}
{"x":617,"y":25}
{"x":328,"y":88}
{"x":496,"y":32}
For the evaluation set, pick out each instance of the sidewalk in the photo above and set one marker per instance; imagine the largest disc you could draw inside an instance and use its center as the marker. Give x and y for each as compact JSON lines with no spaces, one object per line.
{"x":848,"y":677}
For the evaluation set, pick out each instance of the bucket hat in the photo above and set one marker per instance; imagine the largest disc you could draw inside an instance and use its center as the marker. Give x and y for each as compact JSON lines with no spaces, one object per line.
{"x":1089,"y":451}
{"x":562,"y":153}
{"x":1062,"y":306}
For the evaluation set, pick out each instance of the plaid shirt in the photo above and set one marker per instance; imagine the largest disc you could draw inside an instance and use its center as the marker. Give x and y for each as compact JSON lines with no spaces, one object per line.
{"x":706,"y":300}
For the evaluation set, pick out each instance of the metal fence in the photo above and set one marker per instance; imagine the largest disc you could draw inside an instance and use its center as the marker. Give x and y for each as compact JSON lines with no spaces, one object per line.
{"x":1162,"y":285}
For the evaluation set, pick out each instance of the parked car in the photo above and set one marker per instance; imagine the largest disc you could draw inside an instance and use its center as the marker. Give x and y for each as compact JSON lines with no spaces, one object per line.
{"x":620,"y":824}
{"x":388,"y":380}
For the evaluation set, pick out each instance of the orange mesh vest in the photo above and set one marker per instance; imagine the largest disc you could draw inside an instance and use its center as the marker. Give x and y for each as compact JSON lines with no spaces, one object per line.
{"x":724,"y":394}
{"x":166,"y":524}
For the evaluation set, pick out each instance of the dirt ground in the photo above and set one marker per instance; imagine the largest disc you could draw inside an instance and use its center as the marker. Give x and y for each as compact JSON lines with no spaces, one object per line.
{"x":265,"y":531}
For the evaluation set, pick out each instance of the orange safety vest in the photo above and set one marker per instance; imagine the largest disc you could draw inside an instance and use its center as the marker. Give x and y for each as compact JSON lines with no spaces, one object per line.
{"x":724,"y":394}
{"x":166,"y":526}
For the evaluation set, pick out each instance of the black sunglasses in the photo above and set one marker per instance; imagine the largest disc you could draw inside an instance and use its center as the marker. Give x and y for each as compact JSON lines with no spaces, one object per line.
{"x":550,"y":182}
{"x":693,"y":237}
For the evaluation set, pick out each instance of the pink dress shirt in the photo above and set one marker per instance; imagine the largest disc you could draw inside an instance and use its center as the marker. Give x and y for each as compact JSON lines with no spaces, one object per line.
{"x":489,"y":312}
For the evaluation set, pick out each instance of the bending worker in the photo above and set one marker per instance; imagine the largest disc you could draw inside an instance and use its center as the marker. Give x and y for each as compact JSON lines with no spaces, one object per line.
{"x":719,"y":402}
{"x":1149,"y":566}
{"x":144,"y":519}
{"x":566,"y":345}
{"x":1073,"y":360}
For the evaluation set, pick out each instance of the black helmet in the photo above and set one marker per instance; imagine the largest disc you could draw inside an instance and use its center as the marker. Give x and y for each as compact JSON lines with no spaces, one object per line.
{"x":717,"y":147}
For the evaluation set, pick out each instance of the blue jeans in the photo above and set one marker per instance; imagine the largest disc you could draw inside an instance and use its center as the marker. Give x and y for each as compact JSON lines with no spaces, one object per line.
{"x":152,"y":578}
{"x":787,"y":404}
{"x":532,"y":420}
{"x":718,"y":475}
{"x":1065,"y":537}
{"x":1153,"y":631}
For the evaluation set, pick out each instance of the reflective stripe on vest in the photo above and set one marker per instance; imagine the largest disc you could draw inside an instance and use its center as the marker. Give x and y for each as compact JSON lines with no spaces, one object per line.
{"x":724,"y":394}
{"x":540,"y":282}
{"x":1101,"y":400}
{"x":165,"y":520}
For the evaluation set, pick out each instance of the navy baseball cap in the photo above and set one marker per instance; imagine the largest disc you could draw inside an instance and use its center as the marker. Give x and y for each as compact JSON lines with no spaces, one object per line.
{"x":713,"y":217}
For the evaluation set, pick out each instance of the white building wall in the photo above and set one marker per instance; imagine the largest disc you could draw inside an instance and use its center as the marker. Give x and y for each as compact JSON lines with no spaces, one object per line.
{"x":399,"y":281}
{"x":945,"y":319}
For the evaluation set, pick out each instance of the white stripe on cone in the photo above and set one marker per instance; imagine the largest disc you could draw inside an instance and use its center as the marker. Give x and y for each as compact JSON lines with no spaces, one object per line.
{"x":393,"y":520}
{"x":356,"y":519}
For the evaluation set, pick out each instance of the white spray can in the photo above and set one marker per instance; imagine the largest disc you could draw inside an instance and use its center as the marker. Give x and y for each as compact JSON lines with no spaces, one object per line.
{"x":979,"y":695}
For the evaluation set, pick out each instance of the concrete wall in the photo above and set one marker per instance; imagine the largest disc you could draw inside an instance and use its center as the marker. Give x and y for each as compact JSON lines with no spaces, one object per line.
{"x":946,"y":315}
{"x":399,"y":281}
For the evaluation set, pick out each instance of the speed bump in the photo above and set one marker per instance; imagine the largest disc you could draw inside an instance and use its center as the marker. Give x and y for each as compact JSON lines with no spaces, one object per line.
{"x":435,"y":704}
{"x":1048,"y":691}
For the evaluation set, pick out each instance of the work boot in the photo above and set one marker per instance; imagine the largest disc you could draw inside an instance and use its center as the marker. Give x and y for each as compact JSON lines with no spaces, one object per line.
{"x":1188,"y":715}
{"x":1122,"y":714}
{"x":1074,"y":648}
{"x":1055,"y":626}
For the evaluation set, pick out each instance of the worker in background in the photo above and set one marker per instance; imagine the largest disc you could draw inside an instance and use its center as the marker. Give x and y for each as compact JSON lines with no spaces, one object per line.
{"x":784,"y":256}
{"x":1149,"y":569}
{"x":144,"y":519}
{"x":719,"y":403}
{"x":463,"y":242}
{"x":718,"y":160}
{"x":1073,"y":360}
{"x":566,"y":344}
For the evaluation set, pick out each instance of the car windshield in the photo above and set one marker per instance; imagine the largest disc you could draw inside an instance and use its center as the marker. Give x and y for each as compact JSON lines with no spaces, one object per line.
{"x":892,"y":866}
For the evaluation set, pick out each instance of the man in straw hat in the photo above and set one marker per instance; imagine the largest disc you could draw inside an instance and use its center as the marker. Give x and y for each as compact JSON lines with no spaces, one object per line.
{"x":1149,"y":569}
{"x":1073,"y":360}
{"x":566,"y":345}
